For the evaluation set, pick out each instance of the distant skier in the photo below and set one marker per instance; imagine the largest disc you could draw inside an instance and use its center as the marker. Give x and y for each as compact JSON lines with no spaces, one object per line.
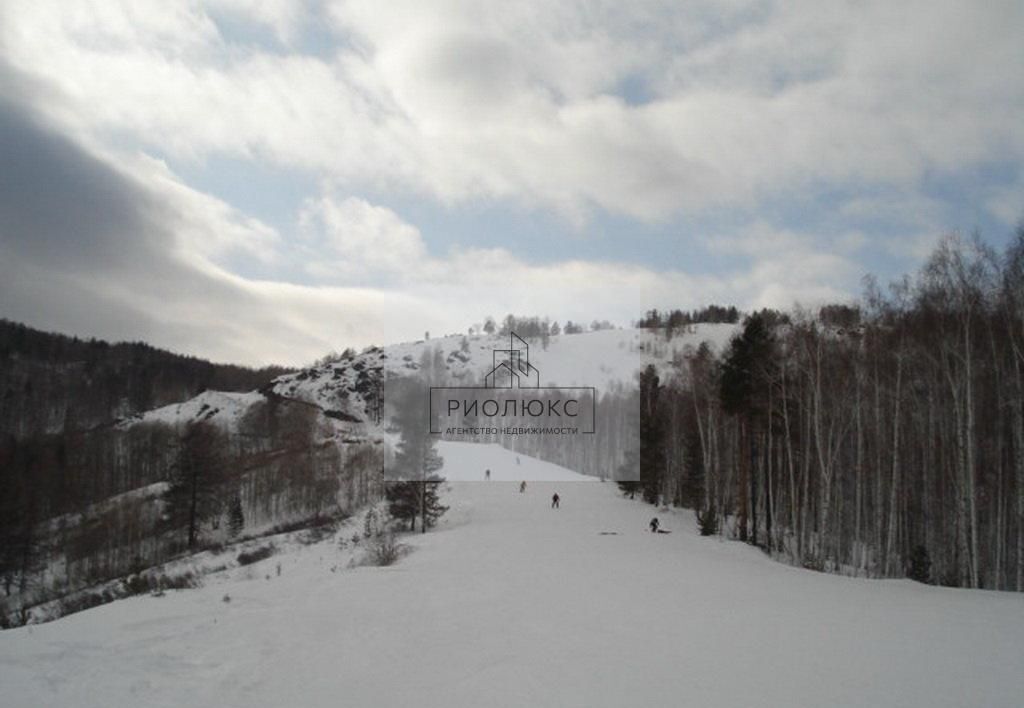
{"x":487,"y":474}
{"x":522,"y":486}
{"x":654,"y":525}
{"x":517,"y":459}
{"x":554,"y":500}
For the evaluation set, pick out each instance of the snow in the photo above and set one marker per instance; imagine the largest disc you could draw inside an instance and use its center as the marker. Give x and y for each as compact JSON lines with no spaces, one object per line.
{"x":512,"y":603}
{"x":602,"y":359}
{"x":220,"y":407}
{"x":467,"y":462}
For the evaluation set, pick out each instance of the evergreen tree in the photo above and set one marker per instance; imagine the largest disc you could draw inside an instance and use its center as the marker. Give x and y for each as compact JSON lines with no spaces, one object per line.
{"x":651,"y":435}
{"x":416,"y":461}
{"x":744,"y":385}
{"x":403,"y":500}
{"x":410,"y":499}
{"x":236,"y":516}
{"x":195,"y":494}
{"x":629,"y":487}
{"x":920,"y":566}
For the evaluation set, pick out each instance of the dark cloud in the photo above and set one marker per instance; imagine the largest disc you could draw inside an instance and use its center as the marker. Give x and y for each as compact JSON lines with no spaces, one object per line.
{"x":92,"y":248}
{"x":76,"y":234}
{"x":61,"y":206}
{"x":86,"y":248}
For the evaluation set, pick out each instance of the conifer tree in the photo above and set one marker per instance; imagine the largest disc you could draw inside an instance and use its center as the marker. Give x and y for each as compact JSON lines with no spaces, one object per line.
{"x":197,"y":484}
{"x":651,"y":435}
{"x":236,"y":516}
{"x":416,"y":461}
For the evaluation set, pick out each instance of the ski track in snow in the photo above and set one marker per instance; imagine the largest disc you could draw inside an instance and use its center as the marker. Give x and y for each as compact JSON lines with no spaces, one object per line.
{"x":512,"y":603}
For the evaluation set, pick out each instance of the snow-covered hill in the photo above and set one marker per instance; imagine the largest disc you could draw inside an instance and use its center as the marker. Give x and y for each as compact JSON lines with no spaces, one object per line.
{"x":599,"y":359}
{"x":220,"y":407}
{"x":513,"y":603}
{"x":344,"y":389}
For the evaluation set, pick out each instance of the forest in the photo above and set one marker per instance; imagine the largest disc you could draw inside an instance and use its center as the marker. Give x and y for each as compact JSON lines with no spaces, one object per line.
{"x":88,"y":494}
{"x":882,"y":438}
{"x":51,"y":383}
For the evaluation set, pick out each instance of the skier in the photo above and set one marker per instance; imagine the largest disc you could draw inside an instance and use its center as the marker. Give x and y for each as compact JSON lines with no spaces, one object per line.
{"x":554,"y":500}
{"x":522,"y":486}
{"x":487,"y":474}
{"x":517,"y":459}
{"x":654,"y":525}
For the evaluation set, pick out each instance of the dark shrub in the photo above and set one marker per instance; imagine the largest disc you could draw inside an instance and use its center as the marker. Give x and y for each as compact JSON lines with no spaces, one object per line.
{"x":255,"y":555}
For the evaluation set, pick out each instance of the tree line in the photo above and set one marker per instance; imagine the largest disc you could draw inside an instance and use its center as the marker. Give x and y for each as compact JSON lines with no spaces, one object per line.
{"x":673,"y":320}
{"x":80,"y":508}
{"x":882,"y":438}
{"x":51,"y":383}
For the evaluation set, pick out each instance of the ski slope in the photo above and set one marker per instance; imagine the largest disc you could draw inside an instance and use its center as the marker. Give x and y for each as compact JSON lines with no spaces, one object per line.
{"x":512,"y":603}
{"x":468,"y":462}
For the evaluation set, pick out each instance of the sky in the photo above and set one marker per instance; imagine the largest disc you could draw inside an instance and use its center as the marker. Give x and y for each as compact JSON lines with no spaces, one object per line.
{"x":265,"y":182}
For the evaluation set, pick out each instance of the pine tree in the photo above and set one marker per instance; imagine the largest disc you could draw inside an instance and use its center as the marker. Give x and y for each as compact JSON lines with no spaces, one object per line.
{"x":197,"y":483}
{"x":403,"y":501}
{"x":920,"y":566}
{"x":629,"y":487}
{"x":410,"y":499}
{"x":416,"y":461}
{"x":651,"y":435}
{"x":236,"y":516}
{"x":744,"y":384}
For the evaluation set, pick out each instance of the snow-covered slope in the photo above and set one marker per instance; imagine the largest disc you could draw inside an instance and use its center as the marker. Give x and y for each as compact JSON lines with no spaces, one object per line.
{"x":513,"y":603}
{"x":599,"y":359}
{"x":468,"y":462}
{"x":345,"y":388}
{"x":220,"y":407}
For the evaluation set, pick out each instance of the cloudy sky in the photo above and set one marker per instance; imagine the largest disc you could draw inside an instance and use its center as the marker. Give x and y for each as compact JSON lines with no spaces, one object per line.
{"x":264,"y":181}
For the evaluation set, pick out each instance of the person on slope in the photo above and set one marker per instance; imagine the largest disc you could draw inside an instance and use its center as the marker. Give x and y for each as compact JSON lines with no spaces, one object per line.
{"x":554,"y":500}
{"x":522,"y":486}
{"x":654,"y":525}
{"x":487,"y":474}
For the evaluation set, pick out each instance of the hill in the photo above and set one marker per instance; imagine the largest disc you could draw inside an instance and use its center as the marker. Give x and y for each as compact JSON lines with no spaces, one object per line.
{"x":51,"y":383}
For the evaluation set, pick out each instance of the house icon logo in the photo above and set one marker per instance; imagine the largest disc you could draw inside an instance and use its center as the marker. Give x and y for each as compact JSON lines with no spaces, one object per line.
{"x":511,"y":368}
{"x":510,"y":401}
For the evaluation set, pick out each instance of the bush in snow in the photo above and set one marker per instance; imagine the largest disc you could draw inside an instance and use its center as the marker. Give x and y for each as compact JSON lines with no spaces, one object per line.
{"x":707,"y":521}
{"x":385,"y":550}
{"x":920,"y":565}
{"x":372,"y":524}
{"x":236,"y":516}
{"x":255,"y":555}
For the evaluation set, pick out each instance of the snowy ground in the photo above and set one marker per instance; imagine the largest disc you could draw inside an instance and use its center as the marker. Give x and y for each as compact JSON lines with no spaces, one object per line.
{"x":469,"y":462}
{"x":512,"y":603}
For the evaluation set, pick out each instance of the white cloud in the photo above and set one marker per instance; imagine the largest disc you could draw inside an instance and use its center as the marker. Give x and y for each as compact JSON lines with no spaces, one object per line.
{"x":727,"y":107}
{"x":116,"y":251}
{"x":514,"y":100}
{"x":353,"y":239}
{"x":782,"y":267}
